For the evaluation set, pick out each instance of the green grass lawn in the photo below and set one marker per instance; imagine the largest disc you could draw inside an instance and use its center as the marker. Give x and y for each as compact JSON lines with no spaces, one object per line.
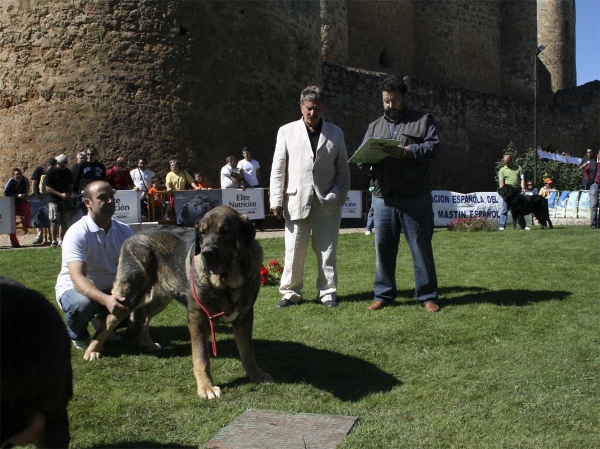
{"x":511,"y":361}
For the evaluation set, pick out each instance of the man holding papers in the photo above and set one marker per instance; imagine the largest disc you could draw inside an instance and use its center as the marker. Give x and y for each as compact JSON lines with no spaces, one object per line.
{"x":402,"y":195}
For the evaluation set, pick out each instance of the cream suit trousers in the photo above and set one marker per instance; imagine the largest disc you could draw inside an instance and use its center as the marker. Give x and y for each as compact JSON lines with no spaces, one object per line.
{"x":325,"y":227}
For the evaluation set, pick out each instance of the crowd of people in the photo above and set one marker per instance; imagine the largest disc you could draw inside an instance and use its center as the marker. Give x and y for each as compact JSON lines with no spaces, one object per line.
{"x":64,"y":185}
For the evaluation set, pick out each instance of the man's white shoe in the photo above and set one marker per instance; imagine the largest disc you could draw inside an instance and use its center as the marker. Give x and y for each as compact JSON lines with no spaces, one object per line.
{"x":367,"y":232}
{"x":527,"y":229}
{"x":500,"y":229}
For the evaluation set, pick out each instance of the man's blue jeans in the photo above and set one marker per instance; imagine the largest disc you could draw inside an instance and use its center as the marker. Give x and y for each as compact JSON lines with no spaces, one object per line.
{"x":503,"y":214}
{"x":594,"y":205}
{"x":413,"y":216}
{"x":79,"y":311}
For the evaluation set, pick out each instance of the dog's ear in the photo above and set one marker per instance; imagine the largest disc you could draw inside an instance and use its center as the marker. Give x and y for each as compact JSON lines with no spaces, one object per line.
{"x":248,"y":230}
{"x":197,"y":239}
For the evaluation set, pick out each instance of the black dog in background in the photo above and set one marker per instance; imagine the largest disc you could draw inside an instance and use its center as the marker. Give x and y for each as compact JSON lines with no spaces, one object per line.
{"x":36,"y":376}
{"x":521,"y":205}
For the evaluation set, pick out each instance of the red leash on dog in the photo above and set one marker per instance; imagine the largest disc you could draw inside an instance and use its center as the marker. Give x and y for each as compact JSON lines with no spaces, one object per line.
{"x":205,"y":310}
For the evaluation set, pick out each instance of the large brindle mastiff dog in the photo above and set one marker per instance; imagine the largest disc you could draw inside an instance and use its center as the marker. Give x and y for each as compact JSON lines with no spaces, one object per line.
{"x":214,"y":269}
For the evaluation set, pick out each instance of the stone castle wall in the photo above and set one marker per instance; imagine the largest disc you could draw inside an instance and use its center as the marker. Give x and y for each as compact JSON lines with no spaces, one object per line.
{"x":186,"y":79}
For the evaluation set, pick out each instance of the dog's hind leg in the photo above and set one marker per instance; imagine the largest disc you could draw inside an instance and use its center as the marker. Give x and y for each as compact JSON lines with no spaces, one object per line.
{"x":242,"y":331}
{"x":141,"y":323}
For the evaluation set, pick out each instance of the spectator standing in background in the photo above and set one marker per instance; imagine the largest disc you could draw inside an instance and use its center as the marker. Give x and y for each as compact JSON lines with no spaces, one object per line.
{"x":589,"y":156}
{"x":511,"y":175}
{"x":227,"y":182}
{"x":118,"y":176}
{"x":59,"y":184}
{"x":18,"y":188}
{"x":36,"y":180}
{"x":89,"y":171}
{"x":250,"y":168}
{"x":141,"y":177}
{"x":592,"y":175}
{"x":81,"y":157}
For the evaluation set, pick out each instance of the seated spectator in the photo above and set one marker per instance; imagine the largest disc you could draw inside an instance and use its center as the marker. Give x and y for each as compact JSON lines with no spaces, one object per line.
{"x":161,"y":207}
{"x":200,"y":182}
{"x":36,"y":382}
{"x":178,"y":179}
{"x":530,"y":190}
{"x":118,"y":176}
{"x":18,"y":188}
{"x":548,"y":188}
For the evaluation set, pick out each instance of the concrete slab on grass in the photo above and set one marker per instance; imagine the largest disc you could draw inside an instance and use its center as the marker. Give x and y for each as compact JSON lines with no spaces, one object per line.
{"x":273,"y":429}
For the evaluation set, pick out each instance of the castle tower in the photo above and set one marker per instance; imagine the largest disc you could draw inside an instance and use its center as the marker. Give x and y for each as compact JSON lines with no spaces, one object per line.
{"x":334,"y":31}
{"x":518,"y":45}
{"x":556,"y":30}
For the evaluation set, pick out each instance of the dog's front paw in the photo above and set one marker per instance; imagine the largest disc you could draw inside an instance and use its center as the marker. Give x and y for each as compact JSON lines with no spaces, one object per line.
{"x":209,"y":392}
{"x":90,"y":355}
{"x":262,"y":378}
{"x":93,"y":351}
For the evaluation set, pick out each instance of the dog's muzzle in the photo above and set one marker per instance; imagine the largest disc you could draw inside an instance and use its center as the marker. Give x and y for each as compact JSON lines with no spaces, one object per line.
{"x":212,"y":260}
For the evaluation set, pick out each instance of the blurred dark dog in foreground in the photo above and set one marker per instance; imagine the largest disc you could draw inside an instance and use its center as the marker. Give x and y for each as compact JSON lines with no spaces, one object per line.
{"x":214,"y":269}
{"x":521,"y":205}
{"x":37,"y":381}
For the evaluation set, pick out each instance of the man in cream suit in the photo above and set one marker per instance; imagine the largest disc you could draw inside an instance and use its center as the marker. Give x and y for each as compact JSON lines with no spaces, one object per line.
{"x":309,"y":183}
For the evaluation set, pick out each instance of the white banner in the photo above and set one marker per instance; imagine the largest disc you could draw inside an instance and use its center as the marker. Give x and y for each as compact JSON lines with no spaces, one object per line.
{"x":127,"y":207}
{"x":250,"y":201}
{"x":353,"y":206}
{"x":7,"y":215}
{"x":449,"y":205}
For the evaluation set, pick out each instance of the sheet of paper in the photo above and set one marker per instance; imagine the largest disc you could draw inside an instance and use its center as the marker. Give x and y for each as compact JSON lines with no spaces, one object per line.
{"x":370,"y":152}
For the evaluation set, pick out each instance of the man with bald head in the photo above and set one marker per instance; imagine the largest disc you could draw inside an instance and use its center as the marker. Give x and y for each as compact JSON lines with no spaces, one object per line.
{"x":90,"y":254}
{"x":511,"y":175}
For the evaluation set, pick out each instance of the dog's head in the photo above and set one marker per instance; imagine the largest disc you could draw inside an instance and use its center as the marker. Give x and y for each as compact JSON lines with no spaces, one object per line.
{"x":507,"y":192}
{"x":223,"y":239}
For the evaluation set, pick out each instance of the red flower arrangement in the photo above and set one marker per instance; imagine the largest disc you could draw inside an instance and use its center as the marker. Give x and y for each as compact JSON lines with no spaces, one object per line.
{"x":272,"y":274}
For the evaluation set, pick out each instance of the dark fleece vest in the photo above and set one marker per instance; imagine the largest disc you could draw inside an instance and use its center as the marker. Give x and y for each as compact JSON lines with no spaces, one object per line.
{"x":404,"y":176}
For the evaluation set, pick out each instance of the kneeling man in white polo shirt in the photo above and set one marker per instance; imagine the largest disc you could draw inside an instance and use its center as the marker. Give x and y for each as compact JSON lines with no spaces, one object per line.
{"x":90,"y":254}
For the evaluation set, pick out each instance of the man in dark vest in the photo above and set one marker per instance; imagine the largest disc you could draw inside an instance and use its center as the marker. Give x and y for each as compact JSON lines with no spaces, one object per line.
{"x":592,"y":176}
{"x":402,"y":196}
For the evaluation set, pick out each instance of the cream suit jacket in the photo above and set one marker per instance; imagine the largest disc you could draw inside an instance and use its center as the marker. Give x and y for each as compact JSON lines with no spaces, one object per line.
{"x":296,"y":175}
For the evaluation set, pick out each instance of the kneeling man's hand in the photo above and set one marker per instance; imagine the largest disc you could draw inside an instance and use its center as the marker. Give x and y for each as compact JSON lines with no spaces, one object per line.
{"x":116,"y":305}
